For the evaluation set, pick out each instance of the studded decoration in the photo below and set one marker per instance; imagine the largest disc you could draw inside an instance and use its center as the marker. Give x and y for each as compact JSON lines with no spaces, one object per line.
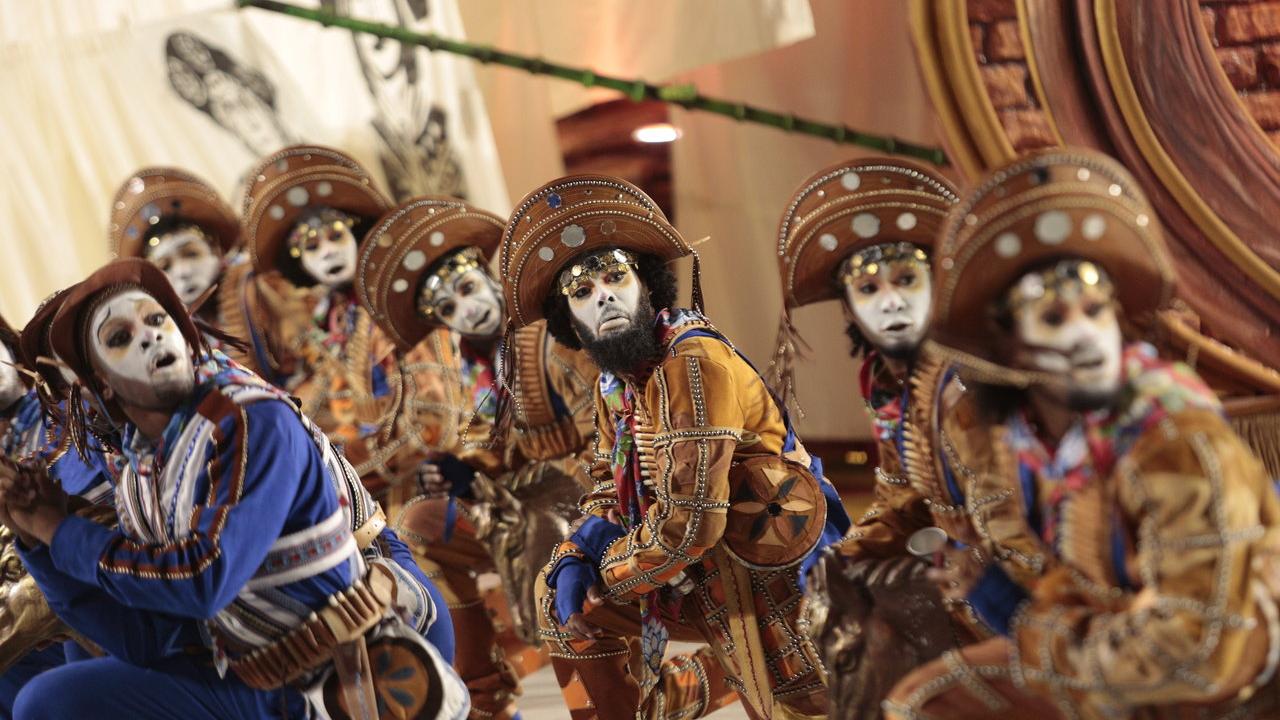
{"x":391,"y":275}
{"x":851,"y":206}
{"x":1044,"y":207}
{"x":292,"y":183}
{"x":580,"y":273}
{"x":154,"y":195}
{"x":570,"y":218}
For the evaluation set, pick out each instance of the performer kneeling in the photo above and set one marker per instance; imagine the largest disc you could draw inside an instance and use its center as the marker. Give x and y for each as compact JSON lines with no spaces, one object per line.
{"x":239,"y":546}
{"x":703,"y":506}
{"x":1124,"y":523}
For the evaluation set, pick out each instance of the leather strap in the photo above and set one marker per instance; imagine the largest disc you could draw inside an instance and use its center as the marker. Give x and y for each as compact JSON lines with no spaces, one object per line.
{"x":371,"y":528}
{"x":348,"y":616}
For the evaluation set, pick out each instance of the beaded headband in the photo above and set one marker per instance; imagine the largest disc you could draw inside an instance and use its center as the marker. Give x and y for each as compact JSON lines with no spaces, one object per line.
{"x":154,"y":241}
{"x":1052,"y":280}
{"x":313,"y":224}
{"x":462,"y":261}
{"x":579,"y":274}
{"x":869,"y":260}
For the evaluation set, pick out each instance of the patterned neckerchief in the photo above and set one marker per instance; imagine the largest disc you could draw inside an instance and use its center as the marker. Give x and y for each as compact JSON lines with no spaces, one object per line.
{"x":477,"y":370}
{"x":1089,"y":449}
{"x":619,"y":398}
{"x":887,"y":400}
{"x":618,"y":395}
{"x":334,"y":319}
{"x":147,"y":459}
{"x":214,"y":372}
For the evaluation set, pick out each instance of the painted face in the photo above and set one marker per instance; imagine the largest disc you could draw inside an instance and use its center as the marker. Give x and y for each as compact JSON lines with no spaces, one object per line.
{"x":10,"y":381}
{"x":890,"y":299}
{"x":1069,"y":329}
{"x":139,"y":352}
{"x":188,"y":258}
{"x":603,"y":297}
{"x":326,"y":247}
{"x":469,"y":303}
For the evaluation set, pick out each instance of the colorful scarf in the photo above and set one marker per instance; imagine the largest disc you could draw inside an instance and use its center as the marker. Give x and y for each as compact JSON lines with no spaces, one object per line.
{"x":633,"y":497}
{"x":1154,"y":389}
{"x":478,"y":378}
{"x":885,"y":397}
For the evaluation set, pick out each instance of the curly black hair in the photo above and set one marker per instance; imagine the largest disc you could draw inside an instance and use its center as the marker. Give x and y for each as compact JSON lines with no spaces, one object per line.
{"x":654,"y":272}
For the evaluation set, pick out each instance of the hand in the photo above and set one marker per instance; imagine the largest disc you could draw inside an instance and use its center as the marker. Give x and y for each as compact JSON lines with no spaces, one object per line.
{"x":431,"y":481}
{"x":578,"y":625}
{"x":959,"y":572}
{"x":32,"y":501}
{"x":25,"y":538}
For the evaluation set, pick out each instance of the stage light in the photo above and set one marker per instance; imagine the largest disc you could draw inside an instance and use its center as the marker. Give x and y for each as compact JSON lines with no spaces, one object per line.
{"x":656,"y":133}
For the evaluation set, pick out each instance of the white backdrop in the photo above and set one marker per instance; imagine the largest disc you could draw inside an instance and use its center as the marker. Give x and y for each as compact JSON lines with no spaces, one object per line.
{"x":90,"y":99}
{"x":98,"y":88}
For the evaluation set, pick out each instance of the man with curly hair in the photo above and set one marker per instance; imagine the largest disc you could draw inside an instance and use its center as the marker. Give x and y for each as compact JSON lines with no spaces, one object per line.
{"x":704,"y":504}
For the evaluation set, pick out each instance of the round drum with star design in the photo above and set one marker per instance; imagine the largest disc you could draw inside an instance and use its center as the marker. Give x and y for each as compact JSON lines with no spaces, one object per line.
{"x":776,"y":512}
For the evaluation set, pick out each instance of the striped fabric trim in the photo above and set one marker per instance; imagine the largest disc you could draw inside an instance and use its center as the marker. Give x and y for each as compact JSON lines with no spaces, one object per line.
{"x":305,"y":553}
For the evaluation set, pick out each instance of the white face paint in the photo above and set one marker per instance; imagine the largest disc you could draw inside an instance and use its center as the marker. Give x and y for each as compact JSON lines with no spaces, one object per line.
{"x":11,"y":388}
{"x":470,"y":304}
{"x":327,"y":252}
{"x":605,"y":303}
{"x":1072,"y":333}
{"x":188,"y":259}
{"x":891,"y":305}
{"x":139,"y":352}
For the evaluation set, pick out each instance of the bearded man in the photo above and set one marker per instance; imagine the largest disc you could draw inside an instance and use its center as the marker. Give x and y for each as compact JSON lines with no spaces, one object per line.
{"x":477,"y":500}
{"x":1124,"y":524}
{"x":861,"y":231}
{"x":703,"y":504}
{"x":242,"y":532}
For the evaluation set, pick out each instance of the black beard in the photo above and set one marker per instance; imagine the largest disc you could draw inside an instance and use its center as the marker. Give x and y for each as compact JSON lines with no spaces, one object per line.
{"x":1087,"y":400}
{"x":904,"y":352}
{"x":623,"y":352}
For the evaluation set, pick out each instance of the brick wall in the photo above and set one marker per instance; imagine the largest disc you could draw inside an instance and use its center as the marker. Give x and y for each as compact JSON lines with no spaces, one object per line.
{"x":1246,"y":35}
{"x":1002,"y":61}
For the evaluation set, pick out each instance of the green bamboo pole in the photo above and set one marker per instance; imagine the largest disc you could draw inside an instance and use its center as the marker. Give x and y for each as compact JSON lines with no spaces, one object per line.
{"x":686,"y":95}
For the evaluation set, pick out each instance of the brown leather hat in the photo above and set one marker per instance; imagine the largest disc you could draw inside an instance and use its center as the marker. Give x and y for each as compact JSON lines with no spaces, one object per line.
{"x":36,"y":340}
{"x":294,"y":180}
{"x":569,"y":217}
{"x":69,"y":334}
{"x":1052,"y":203}
{"x":403,"y":245}
{"x":851,"y":206}
{"x":154,"y":194}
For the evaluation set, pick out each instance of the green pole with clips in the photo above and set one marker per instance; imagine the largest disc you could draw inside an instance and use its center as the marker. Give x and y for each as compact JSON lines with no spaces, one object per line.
{"x":685,"y":95}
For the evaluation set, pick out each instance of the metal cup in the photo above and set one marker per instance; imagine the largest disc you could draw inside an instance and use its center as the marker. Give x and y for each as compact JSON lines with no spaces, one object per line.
{"x":927,"y":544}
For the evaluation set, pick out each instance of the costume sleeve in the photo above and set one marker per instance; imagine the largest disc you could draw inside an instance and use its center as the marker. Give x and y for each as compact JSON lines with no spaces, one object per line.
{"x":416,"y":596}
{"x":139,"y":637}
{"x":1193,"y":497}
{"x":253,"y":484}
{"x":998,"y":501}
{"x":697,"y":401}
{"x":882,"y":531}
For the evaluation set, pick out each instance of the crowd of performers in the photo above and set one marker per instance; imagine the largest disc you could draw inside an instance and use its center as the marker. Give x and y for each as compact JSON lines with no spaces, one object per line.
{"x":254,"y":466}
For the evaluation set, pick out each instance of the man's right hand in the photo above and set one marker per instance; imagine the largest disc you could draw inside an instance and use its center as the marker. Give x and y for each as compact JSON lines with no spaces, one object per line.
{"x":575,"y":583}
{"x":578,"y":625}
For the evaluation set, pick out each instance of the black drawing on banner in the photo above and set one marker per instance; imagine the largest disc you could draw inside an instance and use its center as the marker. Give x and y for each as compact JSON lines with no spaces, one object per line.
{"x":235,"y":95}
{"x":415,"y":151}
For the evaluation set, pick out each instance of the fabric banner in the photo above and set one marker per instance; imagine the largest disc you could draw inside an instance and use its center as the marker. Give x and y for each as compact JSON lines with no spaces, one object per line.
{"x":210,"y":89}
